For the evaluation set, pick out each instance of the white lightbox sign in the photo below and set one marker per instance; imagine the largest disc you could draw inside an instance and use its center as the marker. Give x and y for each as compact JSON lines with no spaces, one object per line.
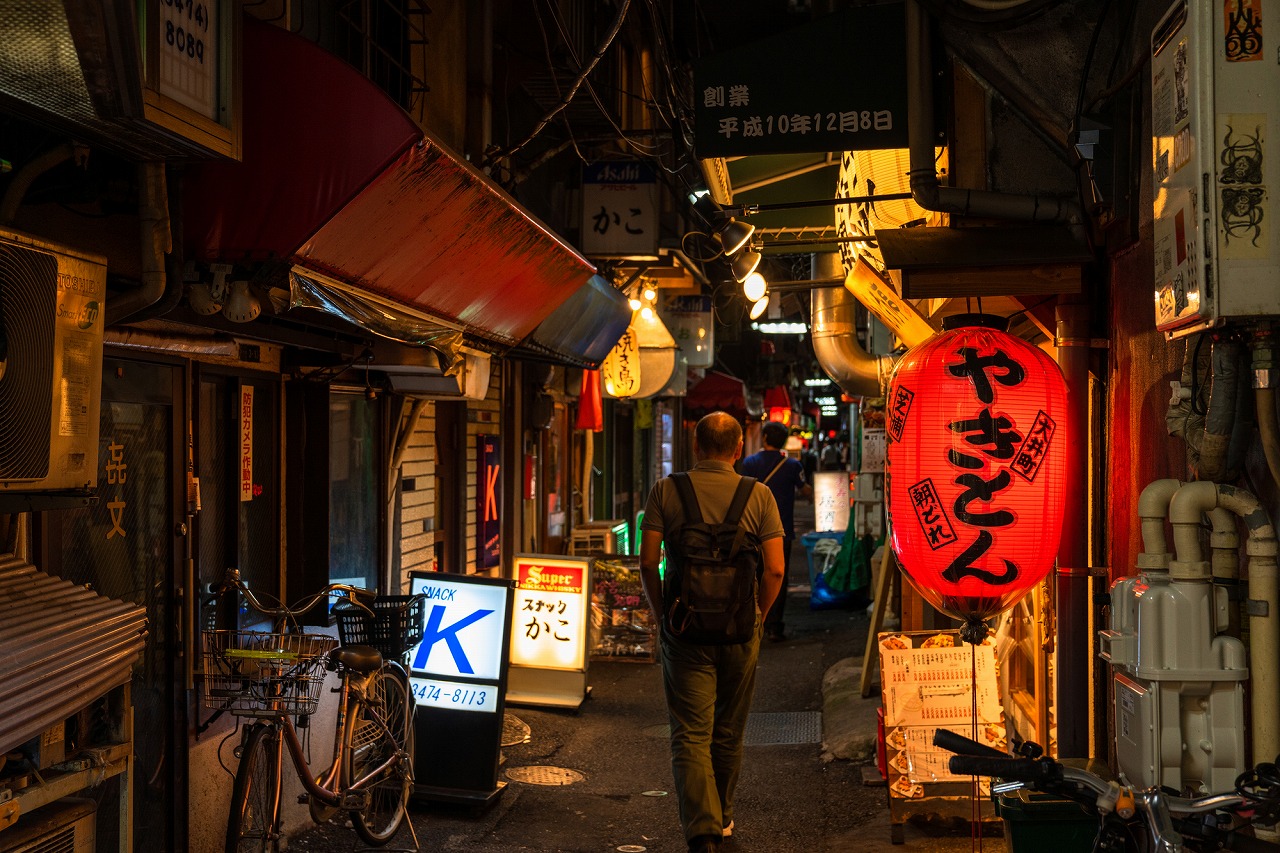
{"x":548,"y":624}
{"x":463,"y":630}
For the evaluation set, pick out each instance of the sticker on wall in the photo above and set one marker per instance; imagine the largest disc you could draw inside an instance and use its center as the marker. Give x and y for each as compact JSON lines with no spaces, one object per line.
{"x":1242,"y":33}
{"x":1241,"y":182}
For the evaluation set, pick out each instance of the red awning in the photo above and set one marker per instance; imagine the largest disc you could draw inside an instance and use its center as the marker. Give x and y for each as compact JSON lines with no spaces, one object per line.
{"x":337,"y":179}
{"x":718,"y":391}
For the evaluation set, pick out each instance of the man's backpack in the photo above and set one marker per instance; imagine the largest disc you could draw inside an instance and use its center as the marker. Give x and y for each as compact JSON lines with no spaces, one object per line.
{"x":712,"y":571}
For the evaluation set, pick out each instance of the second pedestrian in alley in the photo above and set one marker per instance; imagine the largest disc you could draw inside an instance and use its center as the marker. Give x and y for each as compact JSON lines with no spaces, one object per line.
{"x":785,"y":478}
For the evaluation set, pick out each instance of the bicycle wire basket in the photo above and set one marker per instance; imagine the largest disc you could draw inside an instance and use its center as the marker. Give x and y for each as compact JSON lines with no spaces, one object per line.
{"x":264,"y":673}
{"x":393,"y":629}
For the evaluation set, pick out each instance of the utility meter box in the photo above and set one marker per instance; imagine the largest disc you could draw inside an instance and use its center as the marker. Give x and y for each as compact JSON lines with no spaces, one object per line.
{"x":1217,"y":252}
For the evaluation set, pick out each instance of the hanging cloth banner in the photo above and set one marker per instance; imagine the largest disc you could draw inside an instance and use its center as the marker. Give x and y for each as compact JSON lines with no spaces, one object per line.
{"x":590,"y":409}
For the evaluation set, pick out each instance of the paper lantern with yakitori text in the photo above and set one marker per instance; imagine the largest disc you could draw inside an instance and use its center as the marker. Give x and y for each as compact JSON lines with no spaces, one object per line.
{"x":976,"y":463}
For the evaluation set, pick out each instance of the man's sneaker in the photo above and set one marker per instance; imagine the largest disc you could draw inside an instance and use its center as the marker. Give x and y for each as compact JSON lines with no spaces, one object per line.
{"x":728,"y":830}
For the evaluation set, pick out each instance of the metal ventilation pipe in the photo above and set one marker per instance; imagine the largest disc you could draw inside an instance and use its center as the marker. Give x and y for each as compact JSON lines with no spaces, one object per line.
{"x":834,"y":333}
{"x":925,"y":187}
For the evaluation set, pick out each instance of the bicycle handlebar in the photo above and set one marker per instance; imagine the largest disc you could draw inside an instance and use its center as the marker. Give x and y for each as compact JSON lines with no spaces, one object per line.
{"x":1163,"y":815}
{"x":231,"y":580}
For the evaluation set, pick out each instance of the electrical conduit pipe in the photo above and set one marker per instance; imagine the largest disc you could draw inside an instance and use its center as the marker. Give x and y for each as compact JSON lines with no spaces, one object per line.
{"x":1224,"y":562}
{"x":1221,"y":413}
{"x":1264,"y":620}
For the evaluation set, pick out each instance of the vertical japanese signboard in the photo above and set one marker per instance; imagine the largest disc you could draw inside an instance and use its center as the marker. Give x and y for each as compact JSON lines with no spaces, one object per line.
{"x":842,"y":88}
{"x":549,"y":631}
{"x":246,"y":442}
{"x":831,"y":500}
{"x":488,"y":500}
{"x":458,"y":677}
{"x":620,"y":210}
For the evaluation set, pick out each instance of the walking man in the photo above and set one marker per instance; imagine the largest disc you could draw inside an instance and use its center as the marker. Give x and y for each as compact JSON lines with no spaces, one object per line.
{"x":708,"y":687}
{"x":785,"y":478}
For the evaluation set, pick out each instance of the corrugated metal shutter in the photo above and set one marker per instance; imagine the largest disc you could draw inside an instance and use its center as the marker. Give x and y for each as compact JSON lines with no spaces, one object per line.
{"x":61,"y":647}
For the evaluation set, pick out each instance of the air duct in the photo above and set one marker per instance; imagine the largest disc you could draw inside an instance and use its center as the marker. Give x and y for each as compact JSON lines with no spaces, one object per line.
{"x":834,"y":335}
{"x":925,"y":188}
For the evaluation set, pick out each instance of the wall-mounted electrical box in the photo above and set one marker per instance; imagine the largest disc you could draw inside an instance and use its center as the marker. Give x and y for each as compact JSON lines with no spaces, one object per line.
{"x":1214,"y":97}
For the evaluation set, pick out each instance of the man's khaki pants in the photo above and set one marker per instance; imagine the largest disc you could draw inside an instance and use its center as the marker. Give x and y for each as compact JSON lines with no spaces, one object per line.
{"x":708,"y":692}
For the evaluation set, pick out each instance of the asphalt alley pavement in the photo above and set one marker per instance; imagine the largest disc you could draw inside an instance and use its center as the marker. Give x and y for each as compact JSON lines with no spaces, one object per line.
{"x":801,"y":789}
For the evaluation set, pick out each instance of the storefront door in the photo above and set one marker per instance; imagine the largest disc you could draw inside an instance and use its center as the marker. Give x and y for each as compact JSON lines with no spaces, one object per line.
{"x":126,"y":547}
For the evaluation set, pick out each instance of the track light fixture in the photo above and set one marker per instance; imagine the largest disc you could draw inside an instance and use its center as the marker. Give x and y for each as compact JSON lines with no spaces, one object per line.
{"x":744,"y":264}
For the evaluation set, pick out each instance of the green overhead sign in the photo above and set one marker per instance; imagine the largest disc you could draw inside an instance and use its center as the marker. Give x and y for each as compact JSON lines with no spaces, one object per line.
{"x":836,"y":84}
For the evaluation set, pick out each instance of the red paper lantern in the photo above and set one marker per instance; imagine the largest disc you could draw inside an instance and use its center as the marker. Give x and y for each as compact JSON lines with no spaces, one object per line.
{"x":976,"y":466}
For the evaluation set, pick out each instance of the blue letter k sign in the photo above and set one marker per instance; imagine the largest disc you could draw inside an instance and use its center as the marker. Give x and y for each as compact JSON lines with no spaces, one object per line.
{"x":433,"y":634}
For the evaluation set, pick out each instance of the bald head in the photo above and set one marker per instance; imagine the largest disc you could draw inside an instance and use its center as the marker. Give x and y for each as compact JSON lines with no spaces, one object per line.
{"x":718,"y":436}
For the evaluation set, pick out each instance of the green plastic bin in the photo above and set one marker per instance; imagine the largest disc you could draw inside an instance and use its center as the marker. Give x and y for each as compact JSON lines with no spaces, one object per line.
{"x":1035,"y":822}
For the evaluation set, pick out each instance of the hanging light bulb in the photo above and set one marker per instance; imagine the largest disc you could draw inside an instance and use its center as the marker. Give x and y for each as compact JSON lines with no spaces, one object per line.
{"x":650,"y":294}
{"x":759,"y":307}
{"x":646,"y":312}
{"x":634,"y":303}
{"x":754,"y":287}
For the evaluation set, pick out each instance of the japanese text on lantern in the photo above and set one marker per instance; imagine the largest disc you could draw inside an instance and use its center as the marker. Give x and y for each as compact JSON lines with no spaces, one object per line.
{"x":995,"y":438}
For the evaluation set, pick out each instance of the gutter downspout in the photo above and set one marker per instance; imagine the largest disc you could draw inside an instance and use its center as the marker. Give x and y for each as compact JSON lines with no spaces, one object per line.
{"x":1074,"y":653}
{"x":153,"y":219}
{"x":925,"y":188}
{"x":834,"y":336}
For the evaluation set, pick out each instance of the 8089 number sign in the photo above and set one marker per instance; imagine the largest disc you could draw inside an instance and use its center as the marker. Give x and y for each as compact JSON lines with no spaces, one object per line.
{"x":185,"y":26}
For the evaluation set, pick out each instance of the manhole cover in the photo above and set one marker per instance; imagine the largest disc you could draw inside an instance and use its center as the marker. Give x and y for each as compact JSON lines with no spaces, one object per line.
{"x":663,"y":731}
{"x":543,"y":775}
{"x":514,"y":730}
{"x":787,"y":727}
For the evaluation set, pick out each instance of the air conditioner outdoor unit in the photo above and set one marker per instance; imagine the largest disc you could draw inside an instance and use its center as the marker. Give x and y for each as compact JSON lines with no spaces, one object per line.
{"x":51,"y":325}
{"x":68,"y":825}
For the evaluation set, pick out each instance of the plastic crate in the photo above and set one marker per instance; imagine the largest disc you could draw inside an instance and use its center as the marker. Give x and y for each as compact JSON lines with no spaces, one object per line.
{"x":393,"y":629}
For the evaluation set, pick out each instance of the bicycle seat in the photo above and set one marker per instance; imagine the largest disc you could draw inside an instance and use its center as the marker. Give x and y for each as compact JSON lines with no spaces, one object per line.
{"x":363,"y":659}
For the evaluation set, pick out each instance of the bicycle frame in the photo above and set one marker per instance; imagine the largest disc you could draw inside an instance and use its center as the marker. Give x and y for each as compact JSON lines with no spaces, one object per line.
{"x":327,"y":789}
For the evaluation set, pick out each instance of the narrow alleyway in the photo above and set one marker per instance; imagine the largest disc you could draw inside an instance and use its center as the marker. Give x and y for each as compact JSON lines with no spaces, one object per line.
{"x":790,"y":797}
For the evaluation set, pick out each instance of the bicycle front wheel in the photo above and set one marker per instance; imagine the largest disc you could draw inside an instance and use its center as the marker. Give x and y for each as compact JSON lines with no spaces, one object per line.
{"x":381,"y":727}
{"x":253,"y":822}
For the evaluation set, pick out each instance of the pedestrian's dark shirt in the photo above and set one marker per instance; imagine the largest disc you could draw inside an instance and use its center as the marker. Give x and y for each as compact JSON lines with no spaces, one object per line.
{"x":783,"y":484}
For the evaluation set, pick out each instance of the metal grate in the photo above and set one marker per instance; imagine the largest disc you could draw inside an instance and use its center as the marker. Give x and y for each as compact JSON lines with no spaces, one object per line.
{"x":786,"y":727}
{"x":544,"y":775}
{"x":766,"y":729}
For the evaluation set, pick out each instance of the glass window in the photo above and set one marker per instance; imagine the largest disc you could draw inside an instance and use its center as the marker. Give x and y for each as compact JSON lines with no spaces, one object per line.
{"x":353,"y":490}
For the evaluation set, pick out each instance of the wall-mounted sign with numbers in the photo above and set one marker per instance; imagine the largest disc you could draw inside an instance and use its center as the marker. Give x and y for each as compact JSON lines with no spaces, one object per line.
{"x":842,"y":88}
{"x":189,"y":59}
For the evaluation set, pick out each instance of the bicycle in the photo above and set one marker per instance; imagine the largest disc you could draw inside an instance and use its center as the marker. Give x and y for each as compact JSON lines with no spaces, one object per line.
{"x":271,"y":677}
{"x":1150,"y":820}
